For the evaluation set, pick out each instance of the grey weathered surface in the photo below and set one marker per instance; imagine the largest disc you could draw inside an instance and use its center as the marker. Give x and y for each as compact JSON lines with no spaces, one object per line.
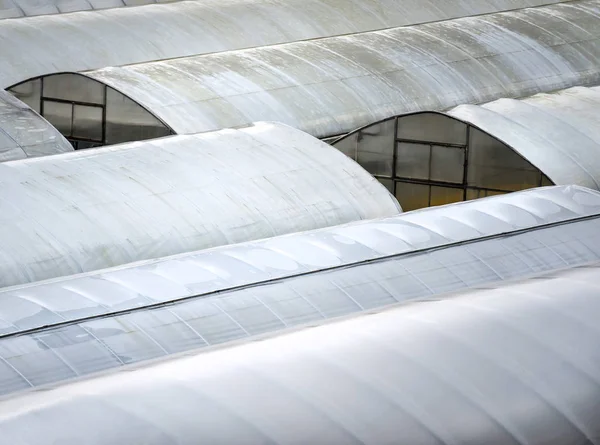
{"x":35,"y":46}
{"x":334,"y":85}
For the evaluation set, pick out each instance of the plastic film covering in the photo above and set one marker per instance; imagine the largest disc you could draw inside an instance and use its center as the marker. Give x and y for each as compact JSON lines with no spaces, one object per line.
{"x":494,"y":366}
{"x":187,"y":28}
{"x":27,"y":8}
{"x":82,"y":325}
{"x":252,"y":263}
{"x":94,"y":209}
{"x":331,"y":86}
{"x":24,"y":133}
{"x":559,"y":133}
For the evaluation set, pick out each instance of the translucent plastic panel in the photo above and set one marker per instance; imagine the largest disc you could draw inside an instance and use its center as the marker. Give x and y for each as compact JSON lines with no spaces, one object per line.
{"x":546,"y":181}
{"x":447,"y":164}
{"x":127,"y":121}
{"x":73,"y":5}
{"x":445,"y":195}
{"x":7,"y":144}
{"x":348,"y":146}
{"x":251,"y":264}
{"x":10,"y":9}
{"x":60,"y":115}
{"x":87,"y":122}
{"x":74,"y":88}
{"x":413,"y":160}
{"x":494,"y":165}
{"x":61,"y":353}
{"x":24,"y":133}
{"x":105,"y":4}
{"x":376,"y":148}
{"x":418,"y":196}
{"x":412,"y":196}
{"x":29,"y":93}
{"x":388,"y":183}
{"x":430,"y":127}
{"x":33,"y":7}
{"x":481,"y":193}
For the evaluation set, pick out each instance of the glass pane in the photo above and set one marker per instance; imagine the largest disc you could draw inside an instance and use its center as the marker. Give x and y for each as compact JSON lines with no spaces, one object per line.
{"x":29,"y":93}
{"x":445,"y":195}
{"x":376,"y":148}
{"x":412,"y":196}
{"x":127,"y":121}
{"x":87,"y":122}
{"x":432,"y":127}
{"x":74,"y":87}
{"x":494,"y":165}
{"x":59,"y":115}
{"x":447,"y":164}
{"x":412,"y":161}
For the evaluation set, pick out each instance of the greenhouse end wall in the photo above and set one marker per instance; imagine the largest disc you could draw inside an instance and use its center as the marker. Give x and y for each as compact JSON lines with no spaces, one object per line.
{"x":429,"y":159}
{"x":88,"y":113}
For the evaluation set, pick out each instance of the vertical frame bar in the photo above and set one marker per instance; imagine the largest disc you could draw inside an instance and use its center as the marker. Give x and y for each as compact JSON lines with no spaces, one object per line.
{"x":395,"y":154}
{"x":104,"y":105}
{"x":466,"y":164}
{"x":41,"y":96}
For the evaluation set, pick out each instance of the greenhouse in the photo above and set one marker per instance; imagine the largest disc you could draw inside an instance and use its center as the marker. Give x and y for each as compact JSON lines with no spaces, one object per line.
{"x":331,"y":86}
{"x":24,"y":133}
{"x":84,"y":324}
{"x":299,"y":222}
{"x":86,"y":40}
{"x":495,"y":365}
{"x":480,"y":150}
{"x":93,"y":209}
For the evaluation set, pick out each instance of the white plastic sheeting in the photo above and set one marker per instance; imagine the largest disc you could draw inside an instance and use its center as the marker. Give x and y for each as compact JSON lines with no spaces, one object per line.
{"x":91,"y":40}
{"x":514,"y":364}
{"x":81,"y":325}
{"x":231,"y":267}
{"x":27,"y":8}
{"x":559,"y":133}
{"x":24,"y":133}
{"x":331,"y":86}
{"x":94,"y":209}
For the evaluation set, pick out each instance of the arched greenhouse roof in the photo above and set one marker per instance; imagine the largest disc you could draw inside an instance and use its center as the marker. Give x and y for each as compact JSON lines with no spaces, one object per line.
{"x":88,"y":323}
{"x":559,"y":132}
{"x":24,"y":133}
{"x":124,"y":36}
{"x":10,"y":9}
{"x":334,"y":85}
{"x":104,"y":207}
{"x":507,"y":364}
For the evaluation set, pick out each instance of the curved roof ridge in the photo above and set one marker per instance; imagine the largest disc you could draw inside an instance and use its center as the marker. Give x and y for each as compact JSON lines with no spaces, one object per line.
{"x":369,"y":75}
{"x":103,"y":207}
